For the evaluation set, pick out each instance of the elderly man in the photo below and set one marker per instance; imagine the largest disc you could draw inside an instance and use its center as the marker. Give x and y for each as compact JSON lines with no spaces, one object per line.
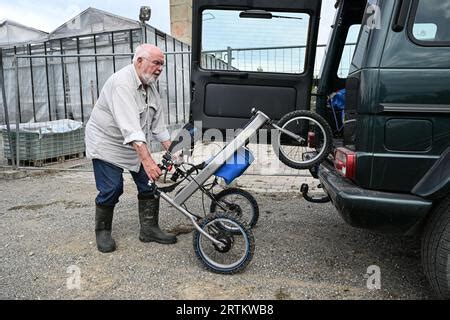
{"x":126,"y":114}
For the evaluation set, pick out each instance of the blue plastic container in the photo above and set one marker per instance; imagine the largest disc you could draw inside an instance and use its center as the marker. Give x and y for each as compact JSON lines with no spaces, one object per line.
{"x":235,"y":166}
{"x":338,"y":100}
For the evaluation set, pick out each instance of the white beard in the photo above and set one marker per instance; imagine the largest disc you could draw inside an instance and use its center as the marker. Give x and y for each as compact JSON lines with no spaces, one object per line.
{"x":149,"y":79}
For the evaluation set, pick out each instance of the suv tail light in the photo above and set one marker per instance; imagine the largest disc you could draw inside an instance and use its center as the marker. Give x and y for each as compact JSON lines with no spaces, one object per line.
{"x":311,"y":139}
{"x":345,"y":162}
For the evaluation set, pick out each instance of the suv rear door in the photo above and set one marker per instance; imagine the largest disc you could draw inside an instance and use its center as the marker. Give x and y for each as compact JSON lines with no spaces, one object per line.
{"x":253,"y":53}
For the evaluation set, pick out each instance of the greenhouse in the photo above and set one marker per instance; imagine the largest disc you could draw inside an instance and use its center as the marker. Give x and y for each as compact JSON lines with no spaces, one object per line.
{"x":67,"y":87}
{"x":60,"y":75}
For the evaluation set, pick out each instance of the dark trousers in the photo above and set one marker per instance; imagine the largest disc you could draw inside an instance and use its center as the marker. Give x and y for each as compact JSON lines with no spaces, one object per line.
{"x":109,"y":182}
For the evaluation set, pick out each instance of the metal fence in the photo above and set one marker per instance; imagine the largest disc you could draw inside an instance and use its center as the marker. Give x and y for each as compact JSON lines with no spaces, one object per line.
{"x":288,"y":59}
{"x":61,"y":135}
{"x":51,"y":88}
{"x":60,"y":79}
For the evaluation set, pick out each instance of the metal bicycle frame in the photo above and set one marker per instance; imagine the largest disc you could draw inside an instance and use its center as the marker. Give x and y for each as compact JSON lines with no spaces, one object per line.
{"x":258,"y":121}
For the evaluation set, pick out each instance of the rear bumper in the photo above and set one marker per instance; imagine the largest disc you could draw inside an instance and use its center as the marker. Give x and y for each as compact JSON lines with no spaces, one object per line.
{"x":379,"y":211}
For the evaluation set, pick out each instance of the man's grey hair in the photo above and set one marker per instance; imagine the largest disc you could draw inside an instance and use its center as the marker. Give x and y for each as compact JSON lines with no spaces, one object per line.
{"x":140,"y":53}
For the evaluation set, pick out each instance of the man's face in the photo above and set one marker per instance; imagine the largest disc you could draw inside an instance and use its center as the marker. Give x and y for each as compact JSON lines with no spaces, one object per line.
{"x":151,"y":67}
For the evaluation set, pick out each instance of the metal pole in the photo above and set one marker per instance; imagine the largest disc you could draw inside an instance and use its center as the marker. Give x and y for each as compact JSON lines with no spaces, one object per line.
{"x":8,"y":128}
{"x":156,"y":44}
{"x":96,"y":65}
{"x":63,"y":79}
{"x":92,"y":93}
{"x":113,"y":52}
{"x":18,"y":96}
{"x":32,"y":84}
{"x":229,"y":57}
{"x":190,"y":84}
{"x":183,"y":82}
{"x":189,"y":58}
{"x":275,"y":64}
{"x":143,"y":33}
{"x":48,"y":83}
{"x":175,"y":79}
{"x":167,"y":83}
{"x":80,"y":83}
{"x":16,"y":69}
{"x":131,"y":43}
{"x":300,"y":60}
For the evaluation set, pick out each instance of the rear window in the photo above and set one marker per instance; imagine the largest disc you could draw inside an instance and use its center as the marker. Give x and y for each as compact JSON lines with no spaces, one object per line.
{"x":431,"y":22}
{"x":271,"y":42}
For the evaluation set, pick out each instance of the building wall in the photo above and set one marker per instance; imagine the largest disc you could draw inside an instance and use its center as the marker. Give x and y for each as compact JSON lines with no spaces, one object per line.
{"x":181,"y":20}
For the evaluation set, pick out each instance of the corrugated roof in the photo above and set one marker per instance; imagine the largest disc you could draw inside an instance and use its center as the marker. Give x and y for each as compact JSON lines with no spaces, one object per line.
{"x":12,"y":33}
{"x":91,"y":21}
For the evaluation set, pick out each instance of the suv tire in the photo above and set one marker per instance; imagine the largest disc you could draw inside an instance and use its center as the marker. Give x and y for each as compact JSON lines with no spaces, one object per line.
{"x":436,"y":249}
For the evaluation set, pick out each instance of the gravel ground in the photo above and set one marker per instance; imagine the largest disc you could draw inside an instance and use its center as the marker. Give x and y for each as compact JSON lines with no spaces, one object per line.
{"x":303,"y":251}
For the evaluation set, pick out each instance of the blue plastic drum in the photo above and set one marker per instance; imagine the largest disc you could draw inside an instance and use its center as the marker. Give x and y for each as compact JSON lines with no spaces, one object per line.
{"x":235,"y":166}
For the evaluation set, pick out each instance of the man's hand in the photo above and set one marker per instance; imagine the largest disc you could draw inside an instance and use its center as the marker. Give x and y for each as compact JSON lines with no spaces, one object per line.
{"x":152,"y":170}
{"x":166,"y":144}
{"x":150,"y":166}
{"x":177,"y":157}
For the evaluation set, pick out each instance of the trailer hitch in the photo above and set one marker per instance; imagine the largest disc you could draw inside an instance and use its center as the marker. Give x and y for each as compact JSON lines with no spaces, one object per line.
{"x":304,"y":189}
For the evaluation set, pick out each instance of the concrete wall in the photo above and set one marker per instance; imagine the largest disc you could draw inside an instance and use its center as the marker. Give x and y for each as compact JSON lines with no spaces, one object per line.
{"x":181,"y":20}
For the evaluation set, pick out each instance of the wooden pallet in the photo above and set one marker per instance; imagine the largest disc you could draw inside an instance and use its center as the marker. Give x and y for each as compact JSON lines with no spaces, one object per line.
{"x":49,"y":161}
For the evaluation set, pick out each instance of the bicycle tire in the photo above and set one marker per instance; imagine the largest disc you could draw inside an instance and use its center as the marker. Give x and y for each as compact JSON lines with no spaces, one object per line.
{"x":324,"y":145}
{"x":251,"y":219}
{"x":212,"y":264}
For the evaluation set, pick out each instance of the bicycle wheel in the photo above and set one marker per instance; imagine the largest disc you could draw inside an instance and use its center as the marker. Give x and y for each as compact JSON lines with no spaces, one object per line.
{"x":237,"y":251}
{"x":313,"y":145}
{"x":238,"y":203}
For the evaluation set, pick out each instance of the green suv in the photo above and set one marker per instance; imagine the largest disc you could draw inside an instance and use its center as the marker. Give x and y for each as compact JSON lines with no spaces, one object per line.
{"x":390,"y":166}
{"x":391,"y":169}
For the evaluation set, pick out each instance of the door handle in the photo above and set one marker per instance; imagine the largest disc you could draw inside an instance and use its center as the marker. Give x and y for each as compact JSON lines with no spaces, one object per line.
{"x":241,"y":75}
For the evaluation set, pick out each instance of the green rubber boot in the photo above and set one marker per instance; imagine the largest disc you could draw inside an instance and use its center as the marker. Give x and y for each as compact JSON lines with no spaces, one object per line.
{"x":103,"y":226}
{"x":148,"y":218}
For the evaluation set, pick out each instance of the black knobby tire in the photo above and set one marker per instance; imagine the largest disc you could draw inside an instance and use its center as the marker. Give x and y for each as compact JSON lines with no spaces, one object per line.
{"x":247,"y":237}
{"x":251,"y":218}
{"x":436,"y":249}
{"x":325,"y":133}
